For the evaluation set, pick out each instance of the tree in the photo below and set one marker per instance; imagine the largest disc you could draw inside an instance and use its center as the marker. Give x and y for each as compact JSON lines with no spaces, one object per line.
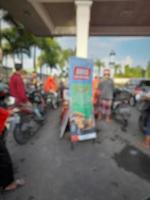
{"x":148,"y":70}
{"x":136,"y":72}
{"x":8,"y":19}
{"x":18,"y":40}
{"x":50,"y":52}
{"x":64,"y":56}
{"x":117,"y":69}
{"x":99,"y":64}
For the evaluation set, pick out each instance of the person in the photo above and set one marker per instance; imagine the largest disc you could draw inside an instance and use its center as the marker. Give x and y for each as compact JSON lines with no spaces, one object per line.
{"x":96,"y":94}
{"x":50,"y":85}
{"x":61,"y":87}
{"x":17,"y":90}
{"x":7,"y":180}
{"x":35,"y":79}
{"x":146,"y":141}
{"x":106,"y":88}
{"x":17,"y":87}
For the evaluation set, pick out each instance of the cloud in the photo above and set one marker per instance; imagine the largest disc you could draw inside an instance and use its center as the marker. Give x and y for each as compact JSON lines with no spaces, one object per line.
{"x":127,"y":61}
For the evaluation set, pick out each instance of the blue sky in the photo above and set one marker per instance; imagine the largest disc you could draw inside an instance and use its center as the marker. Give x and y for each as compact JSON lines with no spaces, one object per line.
{"x":135,"y":50}
{"x":129,"y":50}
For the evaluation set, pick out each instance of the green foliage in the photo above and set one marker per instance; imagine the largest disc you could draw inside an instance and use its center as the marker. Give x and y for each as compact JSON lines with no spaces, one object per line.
{"x":148,"y":70}
{"x":50,"y":52}
{"x":136,"y":72}
{"x":117,"y":69}
{"x":99,"y":64}
{"x":133,"y":72}
{"x":130,"y":72}
{"x":64,"y":56}
{"x":17,"y":41}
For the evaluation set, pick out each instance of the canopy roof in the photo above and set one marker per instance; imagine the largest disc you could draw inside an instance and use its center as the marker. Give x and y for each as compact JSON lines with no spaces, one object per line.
{"x":58,"y":17}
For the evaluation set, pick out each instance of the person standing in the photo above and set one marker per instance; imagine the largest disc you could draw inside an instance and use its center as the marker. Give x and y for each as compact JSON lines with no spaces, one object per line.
{"x":17,"y":87}
{"x":96,"y":95}
{"x":7,"y":180}
{"x":106,"y":88}
{"x":146,"y":141}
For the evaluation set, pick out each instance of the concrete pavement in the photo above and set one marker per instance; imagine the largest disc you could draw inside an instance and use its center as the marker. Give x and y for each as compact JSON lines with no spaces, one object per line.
{"x":93,"y":171}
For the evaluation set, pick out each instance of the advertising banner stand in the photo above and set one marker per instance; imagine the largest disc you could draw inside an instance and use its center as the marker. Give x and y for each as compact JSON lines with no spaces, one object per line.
{"x":81,"y":117}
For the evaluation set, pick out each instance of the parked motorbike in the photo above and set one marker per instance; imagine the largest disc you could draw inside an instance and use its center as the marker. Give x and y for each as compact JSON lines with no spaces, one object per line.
{"x":52,"y":99}
{"x":38,"y":101}
{"x":121,"y":108}
{"x":23,"y":123}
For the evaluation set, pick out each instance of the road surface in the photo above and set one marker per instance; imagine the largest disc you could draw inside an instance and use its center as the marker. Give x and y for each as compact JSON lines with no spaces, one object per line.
{"x":115,"y":167}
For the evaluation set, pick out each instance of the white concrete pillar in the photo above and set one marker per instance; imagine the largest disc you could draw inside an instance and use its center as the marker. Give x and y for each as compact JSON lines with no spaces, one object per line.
{"x":83,"y":9}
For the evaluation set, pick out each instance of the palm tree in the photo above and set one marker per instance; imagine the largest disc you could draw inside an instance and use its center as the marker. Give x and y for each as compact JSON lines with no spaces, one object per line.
{"x":117,"y":68}
{"x":65,"y":55}
{"x":50,"y":52}
{"x":6,"y":17}
{"x":18,"y":40}
{"x":100,"y":65}
{"x":64,"y":58}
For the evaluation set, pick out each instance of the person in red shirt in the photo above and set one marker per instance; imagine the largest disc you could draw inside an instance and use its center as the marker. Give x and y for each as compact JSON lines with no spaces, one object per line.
{"x":7,"y":180}
{"x":17,"y":87}
{"x":50,"y":85}
{"x":17,"y":90}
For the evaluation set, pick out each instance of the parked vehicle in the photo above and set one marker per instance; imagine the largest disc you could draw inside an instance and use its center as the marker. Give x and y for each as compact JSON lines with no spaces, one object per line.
{"x":52,"y":99}
{"x":121,"y":108}
{"x":23,"y":123}
{"x":36,"y":98}
{"x":136,"y":87}
{"x":26,"y":126}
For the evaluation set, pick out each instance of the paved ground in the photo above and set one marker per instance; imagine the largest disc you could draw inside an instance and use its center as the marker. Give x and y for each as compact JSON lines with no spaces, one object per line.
{"x":110,"y":169}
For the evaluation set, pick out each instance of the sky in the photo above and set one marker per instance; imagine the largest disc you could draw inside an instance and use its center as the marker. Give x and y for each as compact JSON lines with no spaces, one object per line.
{"x":129,"y":50}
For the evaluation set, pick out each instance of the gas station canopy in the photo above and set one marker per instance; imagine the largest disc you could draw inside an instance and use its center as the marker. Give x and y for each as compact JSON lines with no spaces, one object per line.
{"x":58,"y":17}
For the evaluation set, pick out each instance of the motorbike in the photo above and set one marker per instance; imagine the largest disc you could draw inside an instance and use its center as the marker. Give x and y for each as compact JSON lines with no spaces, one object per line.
{"x":23,"y":122}
{"x":121,"y":108}
{"x":52,"y":99}
{"x":38,"y":101}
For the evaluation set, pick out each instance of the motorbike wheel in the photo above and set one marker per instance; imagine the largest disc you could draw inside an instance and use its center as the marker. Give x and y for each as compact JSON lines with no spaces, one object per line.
{"x":20,"y":136}
{"x":143,"y":121}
